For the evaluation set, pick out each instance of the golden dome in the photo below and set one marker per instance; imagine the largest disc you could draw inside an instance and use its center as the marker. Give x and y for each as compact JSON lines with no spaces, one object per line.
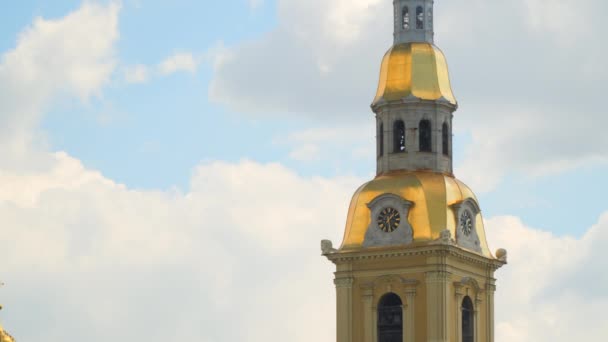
{"x":5,"y":337}
{"x":433,"y":196}
{"x":414,"y":69}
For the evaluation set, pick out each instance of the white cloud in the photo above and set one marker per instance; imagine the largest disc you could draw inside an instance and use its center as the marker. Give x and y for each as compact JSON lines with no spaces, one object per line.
{"x":354,"y":142}
{"x":236,"y":247}
{"x":551,"y":284}
{"x":530,"y":144}
{"x":178,"y":62}
{"x":186,"y":260}
{"x":136,"y":74}
{"x":87,"y":259}
{"x":305,"y":152}
{"x":254,"y":4}
{"x":566,"y":19}
{"x":534,"y":61}
{"x":71,"y":56}
{"x":311,"y":64}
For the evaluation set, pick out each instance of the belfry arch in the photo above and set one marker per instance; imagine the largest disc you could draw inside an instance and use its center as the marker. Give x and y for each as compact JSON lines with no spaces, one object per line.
{"x":467,"y":325}
{"x":425,"y":136}
{"x":390,"y":318}
{"x":399,"y":136}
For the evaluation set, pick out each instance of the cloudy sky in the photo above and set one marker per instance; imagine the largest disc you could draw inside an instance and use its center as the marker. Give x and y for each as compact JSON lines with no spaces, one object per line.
{"x":169,"y":168}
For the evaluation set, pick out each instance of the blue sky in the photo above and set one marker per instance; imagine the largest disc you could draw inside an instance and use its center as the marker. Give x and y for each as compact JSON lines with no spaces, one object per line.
{"x":184,"y":109}
{"x":131,"y":132}
{"x":151,"y":136}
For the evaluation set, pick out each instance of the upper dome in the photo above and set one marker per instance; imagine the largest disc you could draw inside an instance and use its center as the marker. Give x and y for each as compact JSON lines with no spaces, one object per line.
{"x":414,"y":69}
{"x":434,"y":202}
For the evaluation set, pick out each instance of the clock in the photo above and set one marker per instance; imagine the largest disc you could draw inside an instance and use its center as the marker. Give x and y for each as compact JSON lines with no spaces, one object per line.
{"x":466,"y":223}
{"x":388,"y":219}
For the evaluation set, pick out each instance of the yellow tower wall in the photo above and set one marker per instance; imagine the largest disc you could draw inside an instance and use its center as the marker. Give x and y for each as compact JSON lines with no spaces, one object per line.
{"x":431,"y":281}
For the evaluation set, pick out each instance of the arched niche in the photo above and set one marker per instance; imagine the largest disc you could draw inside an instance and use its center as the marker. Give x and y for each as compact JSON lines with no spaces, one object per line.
{"x":468,"y":300}
{"x":373,"y":294}
{"x":389,"y":321}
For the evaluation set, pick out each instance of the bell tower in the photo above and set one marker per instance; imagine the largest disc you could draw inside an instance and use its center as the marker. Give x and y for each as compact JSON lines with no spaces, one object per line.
{"x":413,"y":21}
{"x":414,"y":264}
{"x":414,"y":102}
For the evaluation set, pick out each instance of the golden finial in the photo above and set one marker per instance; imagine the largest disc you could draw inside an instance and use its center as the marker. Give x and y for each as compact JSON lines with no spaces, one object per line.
{"x":4,"y":336}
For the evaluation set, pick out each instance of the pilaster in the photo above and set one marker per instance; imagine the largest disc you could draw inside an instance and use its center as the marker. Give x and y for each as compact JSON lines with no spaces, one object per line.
{"x":458,"y":313}
{"x":344,"y":289}
{"x":409,"y":314}
{"x":477,"y":319}
{"x":368,"y":313}
{"x":438,"y":305}
{"x":490,"y":290}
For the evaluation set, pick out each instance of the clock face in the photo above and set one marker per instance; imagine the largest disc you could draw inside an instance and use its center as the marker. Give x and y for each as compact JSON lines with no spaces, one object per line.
{"x":388,"y":220}
{"x":466,"y":223}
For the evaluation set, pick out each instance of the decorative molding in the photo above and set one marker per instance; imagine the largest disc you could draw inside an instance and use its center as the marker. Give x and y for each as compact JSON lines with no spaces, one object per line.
{"x":393,"y":283}
{"x":378,"y":200}
{"x":445,"y":238}
{"x":501,"y":254}
{"x":429,"y":250}
{"x":437,"y":276}
{"x":462,"y":288}
{"x":327,"y":247}
{"x":469,"y":202}
{"x":382,"y":103}
{"x":344,"y":282}
{"x":468,"y":281}
{"x":402,"y":235}
{"x":469,"y":240}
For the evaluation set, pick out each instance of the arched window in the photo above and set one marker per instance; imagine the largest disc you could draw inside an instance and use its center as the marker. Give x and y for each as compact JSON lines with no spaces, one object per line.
{"x":390,"y":319}
{"x":419,"y":18}
{"x":445,"y":136}
{"x":398,"y":136}
{"x":468,"y":320}
{"x":425,"y":137}
{"x":405,"y":18}
{"x":380,"y":137}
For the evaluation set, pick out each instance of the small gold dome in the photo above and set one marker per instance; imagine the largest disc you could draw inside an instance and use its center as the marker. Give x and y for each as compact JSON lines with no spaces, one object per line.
{"x":414,"y":69}
{"x":434,"y":197}
{"x":5,"y":337}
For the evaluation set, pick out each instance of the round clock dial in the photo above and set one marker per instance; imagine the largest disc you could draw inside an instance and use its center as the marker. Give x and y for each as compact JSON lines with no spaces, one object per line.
{"x":466,"y":222}
{"x":388,"y":220}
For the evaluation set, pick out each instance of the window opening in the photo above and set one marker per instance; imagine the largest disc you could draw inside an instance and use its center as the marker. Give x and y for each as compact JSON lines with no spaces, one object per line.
{"x":390,"y":319}
{"x":420,"y":18}
{"x":468,"y":320}
{"x":399,"y":137}
{"x":380,"y":140}
{"x":425,"y":138}
{"x":405,"y":18}
{"x":445,"y":135}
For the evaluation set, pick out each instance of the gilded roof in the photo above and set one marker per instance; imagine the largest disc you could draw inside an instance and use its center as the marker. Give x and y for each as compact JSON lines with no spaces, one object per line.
{"x":414,"y":69}
{"x":432,"y":195}
{"x":5,"y":337}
